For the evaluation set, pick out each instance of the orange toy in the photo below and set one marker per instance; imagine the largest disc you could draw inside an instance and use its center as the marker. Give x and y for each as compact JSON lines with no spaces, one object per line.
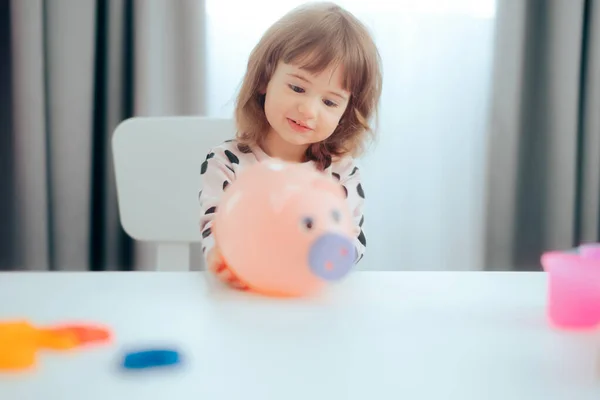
{"x":285,"y":229}
{"x":20,"y":341}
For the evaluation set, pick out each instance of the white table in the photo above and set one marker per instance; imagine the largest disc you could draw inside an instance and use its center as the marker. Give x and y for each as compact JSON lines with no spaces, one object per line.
{"x":379,"y":335}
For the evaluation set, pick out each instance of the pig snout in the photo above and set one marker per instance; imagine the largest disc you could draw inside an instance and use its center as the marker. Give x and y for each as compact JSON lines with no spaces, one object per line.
{"x":331,"y":256}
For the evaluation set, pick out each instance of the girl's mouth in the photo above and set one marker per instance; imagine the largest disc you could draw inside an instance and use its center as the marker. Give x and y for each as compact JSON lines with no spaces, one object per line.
{"x":298,"y":126}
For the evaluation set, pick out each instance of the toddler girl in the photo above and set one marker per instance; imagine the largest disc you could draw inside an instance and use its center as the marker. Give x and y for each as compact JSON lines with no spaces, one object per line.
{"x":311,"y":87}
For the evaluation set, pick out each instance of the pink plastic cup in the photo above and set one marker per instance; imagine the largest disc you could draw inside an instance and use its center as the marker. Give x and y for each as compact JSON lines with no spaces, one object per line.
{"x":590,"y":251}
{"x":573,"y":289}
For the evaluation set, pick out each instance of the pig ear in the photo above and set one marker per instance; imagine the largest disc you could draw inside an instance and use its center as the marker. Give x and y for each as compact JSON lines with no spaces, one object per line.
{"x":330,"y":186}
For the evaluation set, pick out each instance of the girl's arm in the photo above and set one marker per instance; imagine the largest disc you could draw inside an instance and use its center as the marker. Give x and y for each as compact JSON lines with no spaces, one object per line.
{"x":350,"y":178}
{"x":216,"y":173}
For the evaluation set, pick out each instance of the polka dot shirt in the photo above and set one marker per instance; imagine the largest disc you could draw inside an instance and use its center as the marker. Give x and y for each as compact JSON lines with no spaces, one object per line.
{"x":223,"y":162}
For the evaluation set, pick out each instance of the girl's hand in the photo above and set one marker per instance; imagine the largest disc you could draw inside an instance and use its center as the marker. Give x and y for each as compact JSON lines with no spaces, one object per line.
{"x":217,"y":265}
{"x":215,"y":261}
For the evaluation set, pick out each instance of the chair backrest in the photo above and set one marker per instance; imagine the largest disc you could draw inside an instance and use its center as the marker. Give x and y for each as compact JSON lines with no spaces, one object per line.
{"x":157,"y":170}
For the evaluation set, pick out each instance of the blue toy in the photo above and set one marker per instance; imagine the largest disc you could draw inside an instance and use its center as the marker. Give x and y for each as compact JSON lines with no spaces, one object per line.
{"x":151,"y":358}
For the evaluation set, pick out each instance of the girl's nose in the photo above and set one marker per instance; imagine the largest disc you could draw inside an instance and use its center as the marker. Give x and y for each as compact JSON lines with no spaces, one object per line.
{"x":307,"y":109}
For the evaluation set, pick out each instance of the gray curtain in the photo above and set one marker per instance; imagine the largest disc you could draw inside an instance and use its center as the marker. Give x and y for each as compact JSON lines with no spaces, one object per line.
{"x":74,"y":70}
{"x":6,"y":143}
{"x":543,"y":184}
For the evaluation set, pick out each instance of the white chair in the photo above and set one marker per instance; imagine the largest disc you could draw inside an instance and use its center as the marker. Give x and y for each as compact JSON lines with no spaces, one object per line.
{"x":157,"y":169}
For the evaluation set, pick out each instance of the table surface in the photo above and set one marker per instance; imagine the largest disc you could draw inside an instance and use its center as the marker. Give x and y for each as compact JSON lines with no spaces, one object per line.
{"x":379,"y":335}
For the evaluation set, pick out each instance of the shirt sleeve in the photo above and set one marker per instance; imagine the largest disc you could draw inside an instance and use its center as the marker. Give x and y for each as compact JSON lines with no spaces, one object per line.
{"x":216,"y":173}
{"x":350,"y":179}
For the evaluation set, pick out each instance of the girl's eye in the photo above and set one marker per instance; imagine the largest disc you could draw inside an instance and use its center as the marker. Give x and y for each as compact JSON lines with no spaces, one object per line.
{"x":296,"y":89}
{"x":330,"y":103}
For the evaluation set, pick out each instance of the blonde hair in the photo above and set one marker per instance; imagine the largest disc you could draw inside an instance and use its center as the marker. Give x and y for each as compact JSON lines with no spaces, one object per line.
{"x":315,"y":36}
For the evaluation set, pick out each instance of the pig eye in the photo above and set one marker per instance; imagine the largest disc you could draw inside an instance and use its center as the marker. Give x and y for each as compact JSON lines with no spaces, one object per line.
{"x":336,"y":215}
{"x":307,"y":223}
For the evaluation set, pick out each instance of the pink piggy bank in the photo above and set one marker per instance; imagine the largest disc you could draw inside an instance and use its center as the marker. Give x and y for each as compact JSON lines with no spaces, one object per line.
{"x":285,"y":229}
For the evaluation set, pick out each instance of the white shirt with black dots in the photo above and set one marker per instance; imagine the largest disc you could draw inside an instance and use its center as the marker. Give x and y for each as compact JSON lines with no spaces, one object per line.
{"x":223,"y":162}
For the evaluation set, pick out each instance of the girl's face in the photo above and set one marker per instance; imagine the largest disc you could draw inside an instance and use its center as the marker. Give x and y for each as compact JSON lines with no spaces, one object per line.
{"x":302,"y":108}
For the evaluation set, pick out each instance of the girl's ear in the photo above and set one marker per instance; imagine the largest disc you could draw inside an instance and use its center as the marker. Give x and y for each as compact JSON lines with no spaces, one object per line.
{"x":262,"y":88}
{"x":265,"y":77}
